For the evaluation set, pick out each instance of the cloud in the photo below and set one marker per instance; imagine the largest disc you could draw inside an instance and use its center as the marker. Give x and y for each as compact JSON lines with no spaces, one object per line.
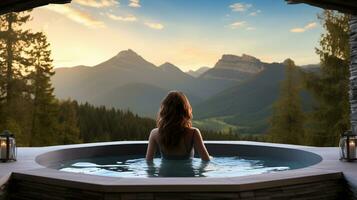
{"x":250,"y":29}
{"x":240,"y":7}
{"x":311,"y":25}
{"x":305,"y":28}
{"x":129,"y":18}
{"x":255,"y":13}
{"x":134,"y":3}
{"x":237,"y":24}
{"x":297,"y":30}
{"x":97,"y":3}
{"x":76,"y":15}
{"x":156,"y":26}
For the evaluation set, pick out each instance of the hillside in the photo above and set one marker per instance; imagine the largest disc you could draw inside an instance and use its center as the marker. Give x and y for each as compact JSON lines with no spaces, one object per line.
{"x":138,"y":97}
{"x":248,"y":106}
{"x":252,"y":95}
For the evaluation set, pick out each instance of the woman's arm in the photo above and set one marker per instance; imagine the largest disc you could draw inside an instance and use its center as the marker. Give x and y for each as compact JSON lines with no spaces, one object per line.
{"x":200,"y":146}
{"x":151,"y":149}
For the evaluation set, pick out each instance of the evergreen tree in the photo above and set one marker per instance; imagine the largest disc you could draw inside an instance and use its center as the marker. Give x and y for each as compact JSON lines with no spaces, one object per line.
{"x":45,"y":108}
{"x":330,"y":88}
{"x":69,"y":132}
{"x":14,"y":109}
{"x":287,"y":121}
{"x":12,"y":40}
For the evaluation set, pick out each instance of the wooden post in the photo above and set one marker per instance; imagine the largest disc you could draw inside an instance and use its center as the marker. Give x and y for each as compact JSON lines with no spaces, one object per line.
{"x":353,"y":71}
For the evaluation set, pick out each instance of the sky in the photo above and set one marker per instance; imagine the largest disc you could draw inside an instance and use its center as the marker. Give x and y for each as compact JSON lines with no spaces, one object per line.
{"x":188,"y":33}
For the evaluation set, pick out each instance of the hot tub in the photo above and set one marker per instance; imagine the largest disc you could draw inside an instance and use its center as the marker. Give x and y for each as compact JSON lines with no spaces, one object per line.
{"x":301,"y":179}
{"x":128,"y":160}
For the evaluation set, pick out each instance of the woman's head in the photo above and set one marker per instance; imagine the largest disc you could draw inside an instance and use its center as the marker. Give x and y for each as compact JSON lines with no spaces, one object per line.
{"x":174,"y":118}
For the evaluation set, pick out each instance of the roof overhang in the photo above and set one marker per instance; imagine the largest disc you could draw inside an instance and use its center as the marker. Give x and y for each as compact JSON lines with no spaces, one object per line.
{"x":7,"y":6}
{"x":345,"y":6}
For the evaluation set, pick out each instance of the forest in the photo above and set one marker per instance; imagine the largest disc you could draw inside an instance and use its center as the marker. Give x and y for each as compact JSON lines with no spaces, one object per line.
{"x":29,"y":109}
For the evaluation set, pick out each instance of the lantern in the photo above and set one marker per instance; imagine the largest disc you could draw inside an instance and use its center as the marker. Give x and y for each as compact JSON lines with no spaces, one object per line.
{"x":7,"y":147}
{"x":348,"y":148}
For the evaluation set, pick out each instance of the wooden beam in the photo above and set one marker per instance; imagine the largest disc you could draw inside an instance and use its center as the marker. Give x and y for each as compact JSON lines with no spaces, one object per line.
{"x":345,"y":6}
{"x":7,"y":6}
{"x":353,"y":72}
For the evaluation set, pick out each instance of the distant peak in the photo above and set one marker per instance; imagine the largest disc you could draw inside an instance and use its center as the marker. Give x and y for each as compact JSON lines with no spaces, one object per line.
{"x":169,"y":66}
{"x":244,"y":57}
{"x":127,"y":53}
{"x":127,"y":59}
{"x":244,"y":63}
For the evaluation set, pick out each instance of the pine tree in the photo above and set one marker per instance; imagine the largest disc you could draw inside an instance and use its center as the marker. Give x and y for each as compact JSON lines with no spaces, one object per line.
{"x":12,"y":40}
{"x":45,"y":108}
{"x":14,"y":110}
{"x":69,"y":132}
{"x":287,"y":121}
{"x":330,"y":88}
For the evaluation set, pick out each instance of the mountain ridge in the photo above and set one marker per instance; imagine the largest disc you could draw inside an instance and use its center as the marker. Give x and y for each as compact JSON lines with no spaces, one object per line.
{"x":234,"y":90}
{"x":198,"y":72}
{"x":237,"y":68}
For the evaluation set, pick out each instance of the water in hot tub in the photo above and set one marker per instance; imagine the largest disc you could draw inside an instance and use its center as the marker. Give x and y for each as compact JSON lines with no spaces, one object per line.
{"x":134,"y":166}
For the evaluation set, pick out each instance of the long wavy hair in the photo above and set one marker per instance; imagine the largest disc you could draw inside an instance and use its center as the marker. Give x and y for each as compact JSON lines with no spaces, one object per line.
{"x":174,"y":118}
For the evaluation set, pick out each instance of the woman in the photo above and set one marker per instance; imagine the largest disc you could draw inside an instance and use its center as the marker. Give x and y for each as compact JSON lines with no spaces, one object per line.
{"x":175,"y":137}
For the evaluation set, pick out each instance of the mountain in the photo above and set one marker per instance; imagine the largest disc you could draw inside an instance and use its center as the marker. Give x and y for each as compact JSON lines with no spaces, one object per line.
{"x":128,"y":60}
{"x":135,"y":97}
{"x":101,"y":83}
{"x":236,"y":68}
{"x":248,"y":106}
{"x":261,"y":90}
{"x":198,"y":72}
{"x":173,"y":76}
{"x":237,"y":93}
{"x":85,"y":84}
{"x":138,"y":97}
{"x":169,"y":67}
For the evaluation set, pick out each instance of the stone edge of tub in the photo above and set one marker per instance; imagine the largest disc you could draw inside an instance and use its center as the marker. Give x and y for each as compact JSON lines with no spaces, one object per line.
{"x":110,"y":184}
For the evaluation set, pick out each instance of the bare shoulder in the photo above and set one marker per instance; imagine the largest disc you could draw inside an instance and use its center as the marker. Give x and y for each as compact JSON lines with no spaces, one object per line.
{"x":195,"y":131}
{"x":154,"y":132}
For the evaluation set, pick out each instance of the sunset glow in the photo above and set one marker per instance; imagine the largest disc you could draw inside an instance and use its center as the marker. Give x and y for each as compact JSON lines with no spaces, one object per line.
{"x":189,"y":34}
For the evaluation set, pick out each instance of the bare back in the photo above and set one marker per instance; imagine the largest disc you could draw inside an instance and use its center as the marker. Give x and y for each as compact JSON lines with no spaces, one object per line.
{"x":184,"y":150}
{"x":191,"y":140}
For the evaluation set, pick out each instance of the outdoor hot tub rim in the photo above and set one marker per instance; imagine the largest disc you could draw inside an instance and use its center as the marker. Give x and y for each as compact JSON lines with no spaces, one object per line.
{"x":48,"y":179}
{"x":54,"y":159}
